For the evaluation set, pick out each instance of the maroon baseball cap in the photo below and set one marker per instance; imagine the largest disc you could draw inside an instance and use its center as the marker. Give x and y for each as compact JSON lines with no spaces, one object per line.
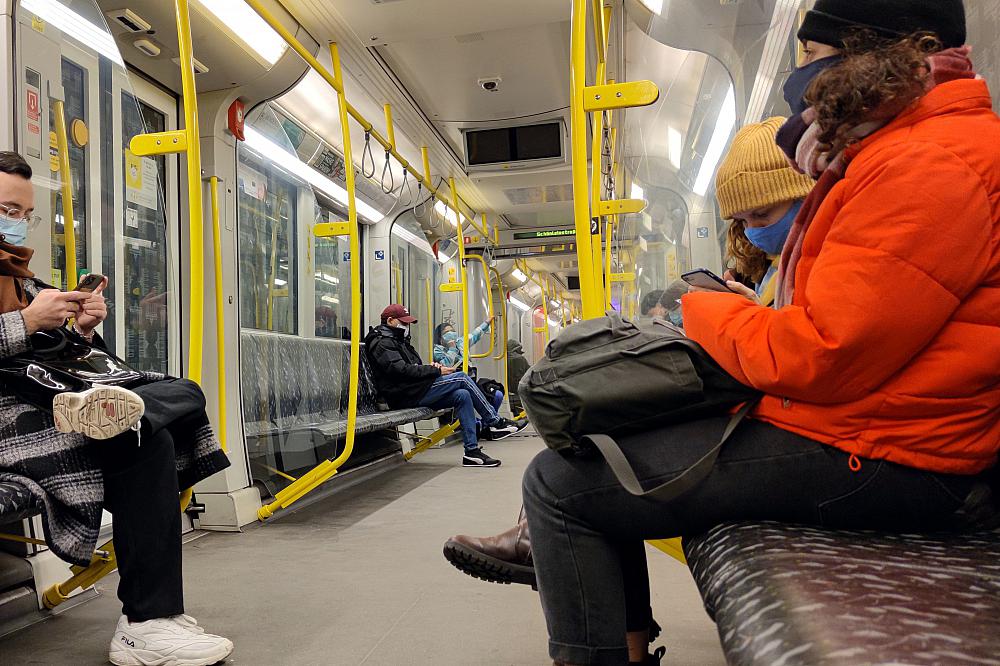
{"x":397,"y":311}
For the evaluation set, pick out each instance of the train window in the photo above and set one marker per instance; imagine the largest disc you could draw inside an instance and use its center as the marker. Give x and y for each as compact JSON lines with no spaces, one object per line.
{"x":332,"y":278}
{"x":414,"y":278}
{"x":74,"y":86}
{"x":268,"y":209}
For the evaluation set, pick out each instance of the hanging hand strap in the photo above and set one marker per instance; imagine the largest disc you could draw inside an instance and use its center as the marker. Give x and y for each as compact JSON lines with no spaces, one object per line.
{"x":677,"y":486}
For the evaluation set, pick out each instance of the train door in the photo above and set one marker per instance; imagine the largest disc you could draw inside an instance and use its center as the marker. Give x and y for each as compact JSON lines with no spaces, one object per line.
{"x":145,"y":327}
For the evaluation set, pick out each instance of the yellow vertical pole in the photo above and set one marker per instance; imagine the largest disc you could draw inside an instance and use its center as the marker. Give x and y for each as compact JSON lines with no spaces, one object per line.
{"x":390,"y":132}
{"x":354,"y":246}
{"x":220,"y":326}
{"x":465,"y":282}
{"x":427,"y":167}
{"x":66,"y":185}
{"x":578,"y":152}
{"x":607,"y":265}
{"x":195,"y":213}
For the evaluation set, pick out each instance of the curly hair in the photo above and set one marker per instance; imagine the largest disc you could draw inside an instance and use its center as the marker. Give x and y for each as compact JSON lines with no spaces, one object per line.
{"x":744,"y":257}
{"x":877,"y":80}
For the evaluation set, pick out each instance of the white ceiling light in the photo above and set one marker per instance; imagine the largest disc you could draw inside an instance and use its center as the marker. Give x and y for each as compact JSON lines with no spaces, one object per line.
{"x":782,"y":21}
{"x":447,"y":213}
{"x":293,"y":164}
{"x":675,"y":145}
{"x":519,"y":304}
{"x":655,"y":6}
{"x":553,"y":322}
{"x":519,"y":275}
{"x":554,"y":304}
{"x":245,"y":27}
{"x":73,"y":25}
{"x":637,"y":192}
{"x":723,"y":128}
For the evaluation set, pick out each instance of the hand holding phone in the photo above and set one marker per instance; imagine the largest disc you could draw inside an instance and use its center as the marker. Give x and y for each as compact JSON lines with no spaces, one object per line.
{"x":88,"y":283}
{"x":707,"y":280}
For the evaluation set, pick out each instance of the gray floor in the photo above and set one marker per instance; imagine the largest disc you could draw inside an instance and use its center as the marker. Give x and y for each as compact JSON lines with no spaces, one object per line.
{"x":358,"y":578}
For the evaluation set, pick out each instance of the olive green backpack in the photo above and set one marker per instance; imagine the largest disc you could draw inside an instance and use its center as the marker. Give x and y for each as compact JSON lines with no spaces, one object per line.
{"x":609,"y":377}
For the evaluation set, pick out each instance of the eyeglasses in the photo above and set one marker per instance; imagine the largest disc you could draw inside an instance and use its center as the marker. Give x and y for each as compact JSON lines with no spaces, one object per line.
{"x":18,"y":215}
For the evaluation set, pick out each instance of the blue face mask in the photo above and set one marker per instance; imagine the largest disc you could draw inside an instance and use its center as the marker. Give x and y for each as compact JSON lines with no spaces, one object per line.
{"x":14,"y":231}
{"x":675,"y":317}
{"x":772,"y":237}
{"x":450,"y":336}
{"x":799,"y":80}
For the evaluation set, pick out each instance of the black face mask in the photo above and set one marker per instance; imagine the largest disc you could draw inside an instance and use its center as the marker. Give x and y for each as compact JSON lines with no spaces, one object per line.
{"x":799,"y":80}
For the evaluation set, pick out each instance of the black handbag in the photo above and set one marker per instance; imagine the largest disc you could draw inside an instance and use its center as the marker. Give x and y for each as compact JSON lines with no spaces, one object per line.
{"x":61,"y":360}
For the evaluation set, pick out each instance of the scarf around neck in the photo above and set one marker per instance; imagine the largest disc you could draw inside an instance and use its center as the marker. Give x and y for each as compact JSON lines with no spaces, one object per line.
{"x":799,"y":140}
{"x":13,"y":267}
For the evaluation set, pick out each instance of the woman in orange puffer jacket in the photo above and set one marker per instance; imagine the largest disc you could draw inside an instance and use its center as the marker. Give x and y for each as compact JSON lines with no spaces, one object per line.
{"x":881,"y":364}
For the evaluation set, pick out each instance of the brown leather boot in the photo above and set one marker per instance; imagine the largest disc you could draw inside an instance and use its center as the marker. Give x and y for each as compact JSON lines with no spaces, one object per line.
{"x":504,"y":558}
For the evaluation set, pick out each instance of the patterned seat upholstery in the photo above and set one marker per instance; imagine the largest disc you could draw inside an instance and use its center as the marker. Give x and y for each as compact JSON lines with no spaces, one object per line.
{"x":796,"y":595}
{"x":16,"y":503}
{"x":293,"y":384}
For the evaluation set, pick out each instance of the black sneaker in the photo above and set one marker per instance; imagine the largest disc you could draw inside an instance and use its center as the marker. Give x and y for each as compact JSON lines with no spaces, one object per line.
{"x":505,"y":428}
{"x":478,"y":458}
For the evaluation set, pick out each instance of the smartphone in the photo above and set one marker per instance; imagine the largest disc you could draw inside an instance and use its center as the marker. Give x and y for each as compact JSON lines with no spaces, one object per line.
{"x":90,"y":282}
{"x":706,"y":279}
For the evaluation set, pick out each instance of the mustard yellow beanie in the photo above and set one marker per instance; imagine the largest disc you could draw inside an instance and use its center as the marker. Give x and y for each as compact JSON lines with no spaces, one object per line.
{"x":755,"y":174}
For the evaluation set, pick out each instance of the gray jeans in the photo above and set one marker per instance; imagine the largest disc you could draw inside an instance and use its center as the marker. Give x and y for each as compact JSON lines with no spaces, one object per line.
{"x":587,"y":531}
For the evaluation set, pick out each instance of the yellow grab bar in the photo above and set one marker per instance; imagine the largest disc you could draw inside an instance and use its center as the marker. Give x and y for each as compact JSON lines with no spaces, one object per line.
{"x":304,"y":53}
{"x":489,"y":293}
{"x":69,"y":227}
{"x":465,"y":280}
{"x":430,"y":319}
{"x":220,"y":325}
{"x":503,"y":298}
{"x":326,"y":469}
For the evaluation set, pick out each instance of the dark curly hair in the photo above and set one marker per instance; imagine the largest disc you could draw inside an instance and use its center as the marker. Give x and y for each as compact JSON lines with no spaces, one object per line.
{"x":876,"y":80}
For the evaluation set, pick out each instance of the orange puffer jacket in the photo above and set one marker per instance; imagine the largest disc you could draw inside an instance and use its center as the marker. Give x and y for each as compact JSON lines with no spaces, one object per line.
{"x":891,"y":347}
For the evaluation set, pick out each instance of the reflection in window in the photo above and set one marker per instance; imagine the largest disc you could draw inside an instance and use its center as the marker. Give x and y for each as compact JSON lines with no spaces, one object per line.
{"x":332,"y":279}
{"x":74,"y":80}
{"x":267,"y":201}
{"x":414,"y":280}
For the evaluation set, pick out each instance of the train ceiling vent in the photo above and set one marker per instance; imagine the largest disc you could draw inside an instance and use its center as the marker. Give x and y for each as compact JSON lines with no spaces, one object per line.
{"x":531,"y":196}
{"x":517,"y":147}
{"x":129,"y":20}
{"x":147,"y":46}
{"x":199,"y":66}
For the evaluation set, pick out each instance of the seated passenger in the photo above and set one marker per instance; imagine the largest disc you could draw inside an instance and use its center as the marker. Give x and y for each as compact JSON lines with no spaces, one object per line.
{"x":75,"y":476}
{"x":879,"y":367}
{"x":665,"y":303}
{"x":517,"y":367}
{"x":405,"y":381}
{"x":761,"y":194}
{"x":449,"y":351}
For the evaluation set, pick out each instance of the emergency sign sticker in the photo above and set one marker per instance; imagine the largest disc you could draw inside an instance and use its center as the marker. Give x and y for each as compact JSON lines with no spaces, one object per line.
{"x":379,"y":255}
{"x":32,"y":113}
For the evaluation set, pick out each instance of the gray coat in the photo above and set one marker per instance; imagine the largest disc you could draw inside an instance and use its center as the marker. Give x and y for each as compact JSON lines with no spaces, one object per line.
{"x":59,"y":468}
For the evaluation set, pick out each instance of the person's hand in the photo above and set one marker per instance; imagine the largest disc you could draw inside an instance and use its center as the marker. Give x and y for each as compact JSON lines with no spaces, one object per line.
{"x":445,"y":370}
{"x":436,"y":364}
{"x":743,"y":290}
{"x":491,"y":320}
{"x":95,"y":310}
{"x":51,"y":308}
{"x":728,"y":276}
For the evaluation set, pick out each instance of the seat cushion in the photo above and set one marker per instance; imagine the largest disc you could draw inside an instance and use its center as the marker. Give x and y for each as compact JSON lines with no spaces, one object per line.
{"x":798,"y":595}
{"x":16,"y":503}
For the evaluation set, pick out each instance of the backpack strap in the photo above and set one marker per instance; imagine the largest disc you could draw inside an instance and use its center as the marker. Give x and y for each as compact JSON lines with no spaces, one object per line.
{"x":680,"y":484}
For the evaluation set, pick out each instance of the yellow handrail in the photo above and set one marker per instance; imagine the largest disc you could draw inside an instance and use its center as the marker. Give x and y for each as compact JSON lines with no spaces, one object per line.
{"x":220,"y":325}
{"x":503,"y":298}
{"x":578,"y":154}
{"x":66,"y":185}
{"x":303,"y":53}
{"x":489,"y":293}
{"x":430,"y":319}
{"x":465,"y":280}
{"x":326,"y":469}
{"x":607,"y":265}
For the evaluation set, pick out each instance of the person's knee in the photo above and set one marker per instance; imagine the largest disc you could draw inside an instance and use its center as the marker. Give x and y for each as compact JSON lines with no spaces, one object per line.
{"x":538,"y":476}
{"x":462,"y":397}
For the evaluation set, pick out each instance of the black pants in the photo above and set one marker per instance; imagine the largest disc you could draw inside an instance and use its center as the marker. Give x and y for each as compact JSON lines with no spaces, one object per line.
{"x":587,"y":531}
{"x":141,"y":492}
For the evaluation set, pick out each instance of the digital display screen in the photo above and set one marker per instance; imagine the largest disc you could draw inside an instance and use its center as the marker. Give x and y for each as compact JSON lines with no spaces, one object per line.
{"x":513,"y":144}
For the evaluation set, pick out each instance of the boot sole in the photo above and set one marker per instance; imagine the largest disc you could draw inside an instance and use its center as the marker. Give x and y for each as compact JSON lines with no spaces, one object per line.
{"x":100,"y":413}
{"x":490,"y":569}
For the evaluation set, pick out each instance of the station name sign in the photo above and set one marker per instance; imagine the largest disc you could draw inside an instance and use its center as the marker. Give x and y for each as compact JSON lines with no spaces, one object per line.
{"x":545,"y":233}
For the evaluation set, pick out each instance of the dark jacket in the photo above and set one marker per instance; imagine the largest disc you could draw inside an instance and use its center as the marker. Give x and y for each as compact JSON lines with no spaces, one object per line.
{"x":517,"y":365}
{"x":401,"y":377}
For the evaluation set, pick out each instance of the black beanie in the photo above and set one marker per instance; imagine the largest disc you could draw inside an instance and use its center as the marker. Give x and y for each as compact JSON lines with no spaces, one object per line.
{"x":830,"y":21}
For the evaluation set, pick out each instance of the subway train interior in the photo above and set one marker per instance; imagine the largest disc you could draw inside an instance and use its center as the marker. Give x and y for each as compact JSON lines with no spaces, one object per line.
{"x":259,"y":179}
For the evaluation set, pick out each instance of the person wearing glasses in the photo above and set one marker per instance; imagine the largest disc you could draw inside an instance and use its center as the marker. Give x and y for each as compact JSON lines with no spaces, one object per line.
{"x":136,"y":474}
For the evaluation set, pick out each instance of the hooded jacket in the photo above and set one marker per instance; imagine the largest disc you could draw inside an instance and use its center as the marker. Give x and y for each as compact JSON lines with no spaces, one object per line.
{"x":517,"y":364}
{"x":891,"y":346}
{"x":401,"y":377}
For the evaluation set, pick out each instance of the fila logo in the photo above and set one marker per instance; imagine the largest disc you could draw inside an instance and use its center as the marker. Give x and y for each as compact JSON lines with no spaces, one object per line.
{"x":128,"y":642}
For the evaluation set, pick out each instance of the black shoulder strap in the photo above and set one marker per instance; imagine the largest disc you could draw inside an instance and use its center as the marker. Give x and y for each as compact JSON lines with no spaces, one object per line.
{"x":677,"y":486}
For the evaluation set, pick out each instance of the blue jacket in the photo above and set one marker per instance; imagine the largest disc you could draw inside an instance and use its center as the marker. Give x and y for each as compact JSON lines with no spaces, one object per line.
{"x":453,"y":355}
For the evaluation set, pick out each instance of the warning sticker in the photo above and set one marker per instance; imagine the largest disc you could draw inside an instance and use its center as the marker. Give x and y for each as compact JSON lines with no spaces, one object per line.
{"x":33,"y":113}
{"x":140,"y":180}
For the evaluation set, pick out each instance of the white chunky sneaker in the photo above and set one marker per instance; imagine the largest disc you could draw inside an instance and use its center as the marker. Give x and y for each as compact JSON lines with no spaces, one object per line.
{"x":169,"y":641}
{"x":99,"y":413}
